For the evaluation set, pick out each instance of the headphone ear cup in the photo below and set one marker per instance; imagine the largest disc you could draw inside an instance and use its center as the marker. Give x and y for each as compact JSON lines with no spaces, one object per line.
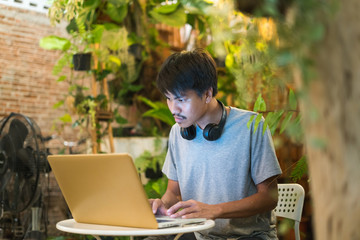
{"x":212,"y":132}
{"x":188,"y":133}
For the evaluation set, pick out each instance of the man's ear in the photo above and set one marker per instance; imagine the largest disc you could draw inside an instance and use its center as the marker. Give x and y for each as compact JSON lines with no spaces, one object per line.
{"x":208,"y":95}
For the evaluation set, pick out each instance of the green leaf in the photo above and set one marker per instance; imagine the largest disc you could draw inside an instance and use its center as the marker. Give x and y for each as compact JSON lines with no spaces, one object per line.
{"x":286,"y":121}
{"x":66,"y":118}
{"x":159,"y":110}
{"x":148,"y":102}
{"x":167,"y":8}
{"x":300,"y":169}
{"x":55,"y":43}
{"x":257,"y":122}
{"x":284,"y":226}
{"x":120,"y":120}
{"x":142,"y":162}
{"x":97,"y":33}
{"x":91,"y":4}
{"x":61,"y":78}
{"x":250,"y":121}
{"x":115,"y":60}
{"x":65,"y":60}
{"x":266,"y":122}
{"x":159,"y":187}
{"x":295,"y":130}
{"x":117,"y":12}
{"x":135,"y":87}
{"x":292,"y":100}
{"x":175,"y":19}
{"x":229,"y":60}
{"x":260,"y":105}
{"x":196,"y":7}
{"x":162,"y":114}
{"x":274,"y":121}
{"x":156,"y":188}
{"x":58,"y":104}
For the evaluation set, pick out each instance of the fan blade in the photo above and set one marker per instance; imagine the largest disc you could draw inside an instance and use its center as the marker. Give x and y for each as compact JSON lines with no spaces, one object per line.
{"x":4,"y":157}
{"x":4,"y":180}
{"x":7,"y":160}
{"x":20,"y":193}
{"x":18,"y":132}
{"x":26,"y":163}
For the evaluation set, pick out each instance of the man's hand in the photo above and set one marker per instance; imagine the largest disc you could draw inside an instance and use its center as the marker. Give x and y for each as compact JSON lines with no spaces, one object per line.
{"x":158,"y":206}
{"x":193,"y":209}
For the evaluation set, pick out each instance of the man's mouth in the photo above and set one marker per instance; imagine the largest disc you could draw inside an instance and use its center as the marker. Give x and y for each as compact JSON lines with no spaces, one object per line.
{"x":179,"y":118}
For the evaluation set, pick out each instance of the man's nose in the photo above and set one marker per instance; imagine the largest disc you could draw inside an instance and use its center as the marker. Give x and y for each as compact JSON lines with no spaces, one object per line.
{"x":174,"y":109}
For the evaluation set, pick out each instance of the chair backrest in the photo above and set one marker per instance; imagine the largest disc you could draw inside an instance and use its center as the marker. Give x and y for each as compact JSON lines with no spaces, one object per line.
{"x":290,"y":201}
{"x":290,"y":204}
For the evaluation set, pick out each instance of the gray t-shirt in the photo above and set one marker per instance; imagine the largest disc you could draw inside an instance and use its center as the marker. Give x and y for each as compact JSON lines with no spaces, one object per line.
{"x":224,"y":170}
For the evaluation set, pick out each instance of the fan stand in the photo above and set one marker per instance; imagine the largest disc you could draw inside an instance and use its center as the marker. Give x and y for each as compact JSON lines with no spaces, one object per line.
{"x":35,"y":231}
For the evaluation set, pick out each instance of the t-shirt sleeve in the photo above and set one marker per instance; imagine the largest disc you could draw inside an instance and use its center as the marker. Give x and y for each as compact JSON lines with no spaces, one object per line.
{"x":169,"y":167}
{"x":264,"y":163}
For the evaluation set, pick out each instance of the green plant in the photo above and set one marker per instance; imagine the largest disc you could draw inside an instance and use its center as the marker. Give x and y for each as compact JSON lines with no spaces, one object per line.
{"x":155,"y":187}
{"x":260,"y":66}
{"x":80,"y":41}
{"x":158,"y":111}
{"x":108,"y":45}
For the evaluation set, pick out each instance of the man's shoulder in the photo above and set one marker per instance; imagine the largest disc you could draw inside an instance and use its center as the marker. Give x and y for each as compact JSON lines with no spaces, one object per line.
{"x":241,"y":113}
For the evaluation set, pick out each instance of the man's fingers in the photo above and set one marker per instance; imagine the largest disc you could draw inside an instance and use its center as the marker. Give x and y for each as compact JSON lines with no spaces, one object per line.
{"x":184,"y":206}
{"x":158,"y":207}
{"x":174,"y":208}
{"x":154,"y":205}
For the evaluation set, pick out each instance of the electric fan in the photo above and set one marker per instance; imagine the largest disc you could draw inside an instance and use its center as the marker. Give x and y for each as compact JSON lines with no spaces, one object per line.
{"x":23,"y":169}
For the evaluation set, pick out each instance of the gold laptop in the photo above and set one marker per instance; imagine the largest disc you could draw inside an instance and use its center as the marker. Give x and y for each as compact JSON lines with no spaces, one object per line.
{"x":106,"y":189}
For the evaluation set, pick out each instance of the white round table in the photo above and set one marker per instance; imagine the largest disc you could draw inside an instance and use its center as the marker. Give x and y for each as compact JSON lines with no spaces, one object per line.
{"x":71,"y":226}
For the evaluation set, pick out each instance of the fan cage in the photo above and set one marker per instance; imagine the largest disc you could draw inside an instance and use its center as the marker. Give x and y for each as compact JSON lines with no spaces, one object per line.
{"x":34,"y":141}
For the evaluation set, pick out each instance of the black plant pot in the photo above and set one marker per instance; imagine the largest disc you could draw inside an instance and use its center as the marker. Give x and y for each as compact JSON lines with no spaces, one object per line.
{"x":154,"y":174}
{"x":253,"y":7}
{"x":82,"y":61}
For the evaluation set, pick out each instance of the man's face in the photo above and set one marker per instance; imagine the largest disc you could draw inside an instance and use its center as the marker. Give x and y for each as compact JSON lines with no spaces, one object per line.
{"x":187,"y":108}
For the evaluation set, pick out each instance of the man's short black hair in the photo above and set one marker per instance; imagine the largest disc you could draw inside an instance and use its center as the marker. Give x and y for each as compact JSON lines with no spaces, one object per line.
{"x":188,"y":70}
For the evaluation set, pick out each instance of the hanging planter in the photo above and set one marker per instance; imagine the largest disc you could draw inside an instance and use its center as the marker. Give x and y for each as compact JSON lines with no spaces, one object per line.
{"x":82,"y":61}
{"x":254,"y":7}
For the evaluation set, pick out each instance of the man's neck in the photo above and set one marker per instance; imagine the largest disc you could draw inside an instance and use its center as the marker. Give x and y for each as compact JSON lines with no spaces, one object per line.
{"x":212,"y":115}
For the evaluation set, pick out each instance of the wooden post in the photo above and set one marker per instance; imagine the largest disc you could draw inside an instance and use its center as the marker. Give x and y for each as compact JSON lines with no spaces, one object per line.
{"x":93,"y":130}
{"x":96,"y":147}
{"x":110,"y":131}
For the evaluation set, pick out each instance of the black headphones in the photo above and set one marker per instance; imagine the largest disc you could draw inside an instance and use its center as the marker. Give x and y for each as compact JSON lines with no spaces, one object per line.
{"x":211,"y":132}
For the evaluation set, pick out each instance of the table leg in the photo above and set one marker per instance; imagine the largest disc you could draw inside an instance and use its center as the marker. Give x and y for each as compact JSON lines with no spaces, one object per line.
{"x":99,"y":238}
{"x":178,"y":236}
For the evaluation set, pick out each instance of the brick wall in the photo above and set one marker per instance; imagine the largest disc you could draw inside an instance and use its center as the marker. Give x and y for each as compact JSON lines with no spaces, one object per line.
{"x":27,"y":85}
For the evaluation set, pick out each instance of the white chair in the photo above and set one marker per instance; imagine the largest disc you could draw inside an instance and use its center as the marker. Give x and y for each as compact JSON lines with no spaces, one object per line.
{"x":290,"y":204}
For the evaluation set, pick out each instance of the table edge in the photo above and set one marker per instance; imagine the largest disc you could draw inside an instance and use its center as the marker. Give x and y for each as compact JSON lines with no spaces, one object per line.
{"x":117,"y":231}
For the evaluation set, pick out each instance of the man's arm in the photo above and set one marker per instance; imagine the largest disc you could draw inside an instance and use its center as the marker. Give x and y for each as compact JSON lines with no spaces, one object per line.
{"x":264,"y":200}
{"x":171,"y":197}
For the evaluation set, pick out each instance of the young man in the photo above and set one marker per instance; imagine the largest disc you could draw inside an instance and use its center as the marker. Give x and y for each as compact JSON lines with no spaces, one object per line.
{"x":217,"y":167}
